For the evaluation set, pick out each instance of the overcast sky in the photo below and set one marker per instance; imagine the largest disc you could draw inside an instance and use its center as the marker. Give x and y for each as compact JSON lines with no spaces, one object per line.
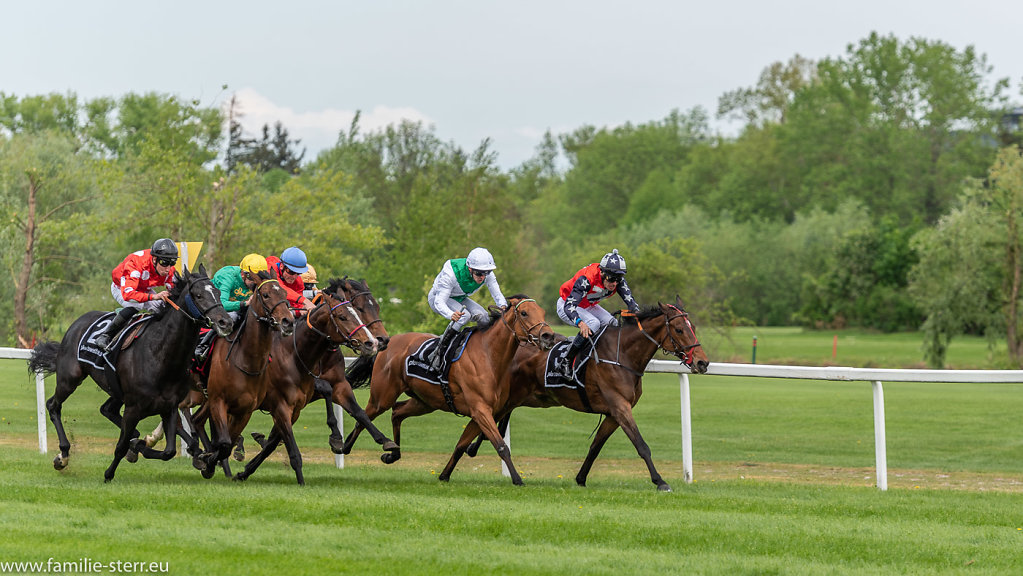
{"x":477,"y":69}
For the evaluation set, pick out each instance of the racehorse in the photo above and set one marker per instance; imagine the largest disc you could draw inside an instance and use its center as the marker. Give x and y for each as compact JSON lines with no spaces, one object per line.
{"x":150,"y":371}
{"x":477,"y":388}
{"x":613,"y":380}
{"x":238,"y":377}
{"x":332,"y":322}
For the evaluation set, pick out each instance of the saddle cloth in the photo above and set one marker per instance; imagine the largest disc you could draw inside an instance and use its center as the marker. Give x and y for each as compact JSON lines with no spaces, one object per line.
{"x":554,"y":378}
{"x":418,"y":363}
{"x":91,"y":354}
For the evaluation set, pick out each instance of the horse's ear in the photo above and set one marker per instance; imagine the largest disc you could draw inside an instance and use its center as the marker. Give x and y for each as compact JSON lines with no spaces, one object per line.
{"x":678,"y":301}
{"x":202,"y":270}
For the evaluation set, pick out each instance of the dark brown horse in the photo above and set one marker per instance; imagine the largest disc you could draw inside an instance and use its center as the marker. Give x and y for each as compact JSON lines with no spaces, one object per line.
{"x":238,"y":377}
{"x":332,"y":323}
{"x":477,"y":388}
{"x":150,"y":376}
{"x":613,"y":380}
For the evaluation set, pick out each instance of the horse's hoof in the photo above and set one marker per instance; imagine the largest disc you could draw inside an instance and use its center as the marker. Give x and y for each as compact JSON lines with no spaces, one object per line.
{"x":132,"y":456}
{"x":240,"y":477}
{"x":663,"y":487}
{"x":198,"y":464}
{"x":207,"y":472}
{"x":259,"y":438}
{"x":337,"y":444}
{"x":59,"y":463}
{"x":150,"y":441}
{"x":391,"y":446}
{"x":238,"y":454}
{"x":444,"y":478}
{"x":518,"y":482}
{"x":390,"y":457}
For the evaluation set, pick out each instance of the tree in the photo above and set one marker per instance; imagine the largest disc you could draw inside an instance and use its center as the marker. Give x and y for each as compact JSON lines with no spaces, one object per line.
{"x":269,"y":153}
{"x":968,"y":279}
{"x":769,"y":100}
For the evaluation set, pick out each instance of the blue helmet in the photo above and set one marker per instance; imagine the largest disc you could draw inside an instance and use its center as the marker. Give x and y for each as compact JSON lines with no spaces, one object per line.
{"x":613,"y":263}
{"x":294,"y":259}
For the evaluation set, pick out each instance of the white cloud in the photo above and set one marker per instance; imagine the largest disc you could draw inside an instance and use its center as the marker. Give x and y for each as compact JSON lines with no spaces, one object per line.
{"x":317,"y":130}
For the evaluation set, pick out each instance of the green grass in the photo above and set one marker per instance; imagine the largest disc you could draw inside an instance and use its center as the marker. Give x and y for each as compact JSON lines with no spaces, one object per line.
{"x":784,"y":485}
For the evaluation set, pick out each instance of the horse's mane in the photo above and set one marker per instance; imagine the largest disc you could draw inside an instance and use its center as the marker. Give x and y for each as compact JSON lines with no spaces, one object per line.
{"x":180,"y":281}
{"x":357,"y":285}
{"x":495,"y":314}
{"x":335,"y":286}
{"x":647,"y":313}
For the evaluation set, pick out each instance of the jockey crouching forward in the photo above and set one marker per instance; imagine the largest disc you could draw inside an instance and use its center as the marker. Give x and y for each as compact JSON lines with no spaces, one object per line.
{"x":289,"y":269}
{"x":235,"y":284}
{"x":458,"y":279}
{"x":579,"y":297}
{"x":133,"y":283}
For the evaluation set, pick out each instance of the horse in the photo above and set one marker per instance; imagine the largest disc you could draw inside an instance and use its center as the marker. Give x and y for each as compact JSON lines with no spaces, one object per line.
{"x":613,"y":380}
{"x":332,"y":322}
{"x":150,"y":371}
{"x":477,"y":388}
{"x":238,"y":377}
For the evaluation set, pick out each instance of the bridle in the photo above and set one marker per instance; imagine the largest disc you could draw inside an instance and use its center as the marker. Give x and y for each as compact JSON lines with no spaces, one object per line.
{"x":267,"y":309}
{"x":193,"y":312}
{"x":321,"y":301}
{"x":684,"y":352}
{"x":529,"y":337}
{"x":367,"y":294}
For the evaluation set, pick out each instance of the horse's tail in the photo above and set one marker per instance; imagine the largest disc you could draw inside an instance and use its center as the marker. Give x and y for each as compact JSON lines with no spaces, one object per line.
{"x":359,"y":373}
{"x":44,"y":357}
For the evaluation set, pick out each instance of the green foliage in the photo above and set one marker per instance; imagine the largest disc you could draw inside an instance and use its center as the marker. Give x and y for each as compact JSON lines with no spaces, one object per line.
{"x":864,"y":283}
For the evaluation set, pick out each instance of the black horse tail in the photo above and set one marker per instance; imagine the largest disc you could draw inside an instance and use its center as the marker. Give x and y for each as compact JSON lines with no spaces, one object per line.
{"x":360,"y":371}
{"x":44,"y":357}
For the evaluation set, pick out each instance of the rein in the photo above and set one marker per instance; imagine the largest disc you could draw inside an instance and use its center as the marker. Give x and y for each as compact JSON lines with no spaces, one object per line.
{"x":529,"y":337}
{"x":684,"y":352}
{"x":197,"y":316}
{"x":268,"y":319}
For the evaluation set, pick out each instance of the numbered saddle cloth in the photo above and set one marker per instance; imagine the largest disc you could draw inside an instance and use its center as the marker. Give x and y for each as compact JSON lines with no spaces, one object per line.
{"x":90,"y":353}
{"x":554,"y":378}
{"x":418,"y":363}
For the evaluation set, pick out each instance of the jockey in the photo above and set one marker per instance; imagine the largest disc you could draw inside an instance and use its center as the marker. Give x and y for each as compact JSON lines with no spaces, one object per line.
{"x":235,"y":284}
{"x":579,"y":297}
{"x":133,"y":283}
{"x":289,"y":269}
{"x":458,"y":279}
{"x":309,"y":283}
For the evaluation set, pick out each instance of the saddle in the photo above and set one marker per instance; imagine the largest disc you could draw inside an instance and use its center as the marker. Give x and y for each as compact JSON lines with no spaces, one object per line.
{"x":554,"y":378}
{"x":418,"y":363}
{"x":90,"y":353}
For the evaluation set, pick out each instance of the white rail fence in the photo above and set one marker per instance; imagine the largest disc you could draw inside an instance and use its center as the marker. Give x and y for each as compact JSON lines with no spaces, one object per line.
{"x":874,"y":375}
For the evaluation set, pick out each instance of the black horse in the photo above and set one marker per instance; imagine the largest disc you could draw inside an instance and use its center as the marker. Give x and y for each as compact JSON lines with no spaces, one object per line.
{"x":151,"y":373}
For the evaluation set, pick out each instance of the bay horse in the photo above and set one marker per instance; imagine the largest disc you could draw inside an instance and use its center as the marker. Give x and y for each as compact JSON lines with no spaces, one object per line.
{"x":477,"y":386}
{"x":331,"y":323}
{"x":151,"y":371}
{"x":613,"y":380}
{"x":238,"y":377}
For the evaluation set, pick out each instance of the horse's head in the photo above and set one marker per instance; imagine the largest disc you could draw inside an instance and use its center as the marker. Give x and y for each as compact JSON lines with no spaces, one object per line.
{"x":364,"y":306}
{"x":203,"y":300}
{"x":681,"y":339}
{"x":527,"y":320}
{"x":343,"y":324}
{"x":270,"y":304}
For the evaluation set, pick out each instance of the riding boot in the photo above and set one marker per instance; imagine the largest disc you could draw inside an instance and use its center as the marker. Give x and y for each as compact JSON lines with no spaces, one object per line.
{"x":106,"y":339}
{"x":437,"y":361}
{"x":567,"y":364}
{"x":203,"y":348}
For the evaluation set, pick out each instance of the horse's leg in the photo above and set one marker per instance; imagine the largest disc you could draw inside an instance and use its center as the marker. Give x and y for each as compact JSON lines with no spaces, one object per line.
{"x":239,"y":449}
{"x":474,"y":448}
{"x":343,"y":395}
{"x":322,"y":390}
{"x":621,"y":411}
{"x":604,"y":431}
{"x":374,"y":407}
{"x":191,"y":440}
{"x":169,"y":421}
{"x":128,"y":424}
{"x":66,"y":386}
{"x":267,"y":448}
{"x":220,"y":438}
{"x":155,"y":436}
{"x":483,"y":416}
{"x":399,"y":412}
{"x":472,"y":430}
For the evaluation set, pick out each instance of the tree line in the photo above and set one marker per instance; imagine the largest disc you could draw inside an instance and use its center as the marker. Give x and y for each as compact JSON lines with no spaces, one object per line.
{"x":881,"y":189}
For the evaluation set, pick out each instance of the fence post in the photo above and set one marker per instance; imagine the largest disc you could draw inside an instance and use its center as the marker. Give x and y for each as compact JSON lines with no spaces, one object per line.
{"x":687,"y":429}
{"x":507,"y":440}
{"x":41,"y":412}
{"x":880,"y":452}
{"x":339,"y":459}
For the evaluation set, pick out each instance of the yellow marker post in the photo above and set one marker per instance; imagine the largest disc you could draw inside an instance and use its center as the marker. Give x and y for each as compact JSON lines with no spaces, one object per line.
{"x":188,"y":252}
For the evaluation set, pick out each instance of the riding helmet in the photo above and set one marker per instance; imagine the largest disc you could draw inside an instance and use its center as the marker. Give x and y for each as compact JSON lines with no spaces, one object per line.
{"x":480,"y":259}
{"x":294,"y":259}
{"x":165,"y":248}
{"x":309,"y":276}
{"x":253,"y":264}
{"x":613,"y":263}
